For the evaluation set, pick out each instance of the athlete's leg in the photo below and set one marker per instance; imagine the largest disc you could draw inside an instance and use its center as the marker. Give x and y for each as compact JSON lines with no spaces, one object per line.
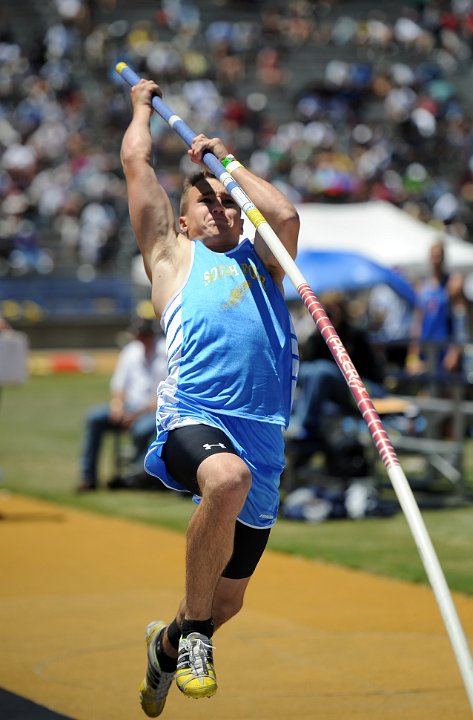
{"x":228,"y":599}
{"x":203,"y":460}
{"x":227,"y":602}
{"x":248,"y":548}
{"x":220,"y":559}
{"x":225,"y":481}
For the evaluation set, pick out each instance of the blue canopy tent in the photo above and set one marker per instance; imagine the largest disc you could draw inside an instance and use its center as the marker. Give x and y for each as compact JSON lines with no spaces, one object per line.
{"x":333,"y":270}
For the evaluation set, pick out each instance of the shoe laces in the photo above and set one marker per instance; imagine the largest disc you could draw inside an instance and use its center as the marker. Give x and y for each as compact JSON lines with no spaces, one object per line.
{"x":197,"y":654}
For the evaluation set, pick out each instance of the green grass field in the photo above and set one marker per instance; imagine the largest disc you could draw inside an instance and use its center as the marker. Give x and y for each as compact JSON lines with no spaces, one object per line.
{"x":40,"y":436}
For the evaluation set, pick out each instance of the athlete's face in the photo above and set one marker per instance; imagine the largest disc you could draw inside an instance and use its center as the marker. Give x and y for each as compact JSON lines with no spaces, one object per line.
{"x":212,"y":215}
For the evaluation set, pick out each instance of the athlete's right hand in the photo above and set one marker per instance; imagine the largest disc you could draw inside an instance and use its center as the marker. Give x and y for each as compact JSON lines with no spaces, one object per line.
{"x":142,"y":94}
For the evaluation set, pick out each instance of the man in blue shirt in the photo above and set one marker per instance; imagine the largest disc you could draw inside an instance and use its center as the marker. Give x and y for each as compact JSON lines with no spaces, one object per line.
{"x":433,"y":322}
{"x":232,"y":361}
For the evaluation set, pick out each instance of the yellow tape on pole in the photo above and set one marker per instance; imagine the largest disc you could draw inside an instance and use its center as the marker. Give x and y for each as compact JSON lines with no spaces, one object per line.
{"x":256,"y":217}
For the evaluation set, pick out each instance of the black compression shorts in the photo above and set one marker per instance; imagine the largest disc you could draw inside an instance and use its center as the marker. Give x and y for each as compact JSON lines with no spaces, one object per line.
{"x":184,"y":450}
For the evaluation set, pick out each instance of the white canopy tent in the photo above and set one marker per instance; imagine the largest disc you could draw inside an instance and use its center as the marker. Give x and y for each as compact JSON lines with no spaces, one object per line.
{"x":380,"y":231}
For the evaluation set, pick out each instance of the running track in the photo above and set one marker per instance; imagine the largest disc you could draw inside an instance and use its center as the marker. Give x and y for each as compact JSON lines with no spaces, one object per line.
{"x":314,"y":641}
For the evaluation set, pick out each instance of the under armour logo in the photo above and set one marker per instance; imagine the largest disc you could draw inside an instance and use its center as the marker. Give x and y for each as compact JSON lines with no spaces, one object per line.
{"x":207,"y":446}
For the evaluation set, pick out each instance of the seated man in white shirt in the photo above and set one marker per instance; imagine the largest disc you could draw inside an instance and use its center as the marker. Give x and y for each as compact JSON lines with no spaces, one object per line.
{"x":132,"y":407}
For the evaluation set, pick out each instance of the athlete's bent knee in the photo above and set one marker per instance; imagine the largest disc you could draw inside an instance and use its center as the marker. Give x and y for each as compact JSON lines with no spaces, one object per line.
{"x":225,"y":483}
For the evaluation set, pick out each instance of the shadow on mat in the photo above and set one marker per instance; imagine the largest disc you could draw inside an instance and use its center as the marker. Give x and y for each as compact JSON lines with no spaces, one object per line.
{"x":15,"y":707}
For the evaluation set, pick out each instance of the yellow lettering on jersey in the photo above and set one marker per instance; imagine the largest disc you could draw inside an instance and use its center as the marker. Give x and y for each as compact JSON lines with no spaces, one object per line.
{"x":236,"y":295}
{"x":220,"y":271}
{"x":251,"y":272}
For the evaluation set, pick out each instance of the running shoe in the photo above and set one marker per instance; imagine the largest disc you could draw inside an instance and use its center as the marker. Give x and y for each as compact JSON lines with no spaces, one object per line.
{"x":155,"y":686}
{"x":195,"y":675}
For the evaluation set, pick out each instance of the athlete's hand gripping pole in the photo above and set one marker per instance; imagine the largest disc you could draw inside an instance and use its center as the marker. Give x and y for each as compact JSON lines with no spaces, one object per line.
{"x":349,"y":372}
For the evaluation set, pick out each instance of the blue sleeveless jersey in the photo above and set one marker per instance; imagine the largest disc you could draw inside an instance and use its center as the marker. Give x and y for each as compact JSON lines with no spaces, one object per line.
{"x":230,"y":342}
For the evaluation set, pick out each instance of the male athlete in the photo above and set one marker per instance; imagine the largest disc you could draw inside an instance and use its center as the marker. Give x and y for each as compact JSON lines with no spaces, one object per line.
{"x":232,"y":362}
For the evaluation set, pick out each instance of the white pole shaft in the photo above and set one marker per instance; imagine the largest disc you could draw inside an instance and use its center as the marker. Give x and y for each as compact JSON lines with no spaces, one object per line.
{"x":436,"y":577}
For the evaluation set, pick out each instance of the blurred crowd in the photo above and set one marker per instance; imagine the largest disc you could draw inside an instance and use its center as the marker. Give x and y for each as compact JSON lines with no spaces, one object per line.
{"x":330,"y":104}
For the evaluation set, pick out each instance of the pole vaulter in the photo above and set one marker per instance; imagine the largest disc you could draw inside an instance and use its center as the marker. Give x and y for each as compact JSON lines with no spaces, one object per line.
{"x":365,"y":405}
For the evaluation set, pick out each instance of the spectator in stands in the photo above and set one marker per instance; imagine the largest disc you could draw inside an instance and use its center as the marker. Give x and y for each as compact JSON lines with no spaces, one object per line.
{"x":389,"y":322}
{"x":132,"y":408}
{"x":363,"y":128}
{"x":460,"y":316}
{"x":459,"y":308}
{"x":435,"y":339}
{"x":321,"y":381}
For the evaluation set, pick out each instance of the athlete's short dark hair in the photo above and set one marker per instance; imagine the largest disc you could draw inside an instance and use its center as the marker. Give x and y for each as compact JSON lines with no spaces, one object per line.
{"x":189,"y":183}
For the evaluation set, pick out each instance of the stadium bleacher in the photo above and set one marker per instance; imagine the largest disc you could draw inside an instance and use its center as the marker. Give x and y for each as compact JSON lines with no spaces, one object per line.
{"x":303,"y":91}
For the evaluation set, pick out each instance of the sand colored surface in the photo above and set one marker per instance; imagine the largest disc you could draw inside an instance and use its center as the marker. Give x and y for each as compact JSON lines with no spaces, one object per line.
{"x":313,"y":642}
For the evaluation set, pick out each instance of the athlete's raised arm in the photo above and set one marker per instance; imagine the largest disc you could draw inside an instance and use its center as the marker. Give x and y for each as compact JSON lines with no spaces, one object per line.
{"x":151,"y":213}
